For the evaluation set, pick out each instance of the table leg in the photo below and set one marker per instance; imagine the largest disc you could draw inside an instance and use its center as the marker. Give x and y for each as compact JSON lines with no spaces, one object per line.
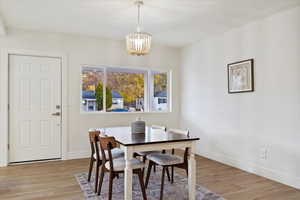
{"x":192,"y":174}
{"x":128,"y":174}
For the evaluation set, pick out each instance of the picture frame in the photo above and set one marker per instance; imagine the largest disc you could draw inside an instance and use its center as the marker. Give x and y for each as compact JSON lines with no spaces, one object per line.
{"x":240,"y":76}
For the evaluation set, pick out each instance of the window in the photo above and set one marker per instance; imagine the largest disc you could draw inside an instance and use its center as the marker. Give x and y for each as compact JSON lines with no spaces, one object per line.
{"x":160,"y":91}
{"x":92,"y":83}
{"x":127,"y":88}
{"x":123,"y":90}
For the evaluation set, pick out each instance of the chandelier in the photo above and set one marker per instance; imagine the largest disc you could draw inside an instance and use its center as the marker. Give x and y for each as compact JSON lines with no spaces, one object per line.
{"x":138,"y":43}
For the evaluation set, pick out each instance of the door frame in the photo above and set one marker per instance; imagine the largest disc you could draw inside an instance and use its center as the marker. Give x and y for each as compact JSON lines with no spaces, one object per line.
{"x":4,"y":99}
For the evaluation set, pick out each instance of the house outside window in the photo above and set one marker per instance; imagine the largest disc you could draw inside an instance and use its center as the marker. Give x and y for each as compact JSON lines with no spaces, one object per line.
{"x":89,"y":100}
{"x":162,"y":100}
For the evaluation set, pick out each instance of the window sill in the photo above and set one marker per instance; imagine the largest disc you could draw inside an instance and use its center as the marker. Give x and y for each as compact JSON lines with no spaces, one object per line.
{"x":123,"y":113}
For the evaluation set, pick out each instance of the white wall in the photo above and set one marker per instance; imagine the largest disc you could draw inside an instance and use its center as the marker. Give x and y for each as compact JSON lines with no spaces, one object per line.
{"x":234,"y":128}
{"x":91,"y":50}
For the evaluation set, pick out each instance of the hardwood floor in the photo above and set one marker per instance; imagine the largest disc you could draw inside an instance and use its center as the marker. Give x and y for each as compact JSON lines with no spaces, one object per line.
{"x":55,"y":180}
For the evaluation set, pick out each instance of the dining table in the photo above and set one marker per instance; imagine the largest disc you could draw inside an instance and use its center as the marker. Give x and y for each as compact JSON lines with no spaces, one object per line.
{"x":153,"y":140}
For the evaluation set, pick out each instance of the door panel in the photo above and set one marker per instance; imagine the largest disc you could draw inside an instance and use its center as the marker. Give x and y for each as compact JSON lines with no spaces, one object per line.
{"x":34,"y":94}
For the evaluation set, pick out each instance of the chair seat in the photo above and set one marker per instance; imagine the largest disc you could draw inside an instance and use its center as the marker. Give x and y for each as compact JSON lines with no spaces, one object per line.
{"x":145,"y":153}
{"x":119,"y":164}
{"x":165,"y":159}
{"x":115,"y":153}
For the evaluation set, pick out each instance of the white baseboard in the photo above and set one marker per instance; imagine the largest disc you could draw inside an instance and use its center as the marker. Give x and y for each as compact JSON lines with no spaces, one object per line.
{"x":69,"y":156}
{"x":78,"y":155}
{"x":240,"y":164}
{"x":255,"y":169}
{"x":3,"y":163}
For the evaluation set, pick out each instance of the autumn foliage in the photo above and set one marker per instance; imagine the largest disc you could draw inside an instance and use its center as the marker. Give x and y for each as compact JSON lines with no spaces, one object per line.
{"x":99,"y":97}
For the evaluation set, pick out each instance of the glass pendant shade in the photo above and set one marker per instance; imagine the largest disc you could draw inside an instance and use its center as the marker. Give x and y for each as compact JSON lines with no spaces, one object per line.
{"x":138,"y":43}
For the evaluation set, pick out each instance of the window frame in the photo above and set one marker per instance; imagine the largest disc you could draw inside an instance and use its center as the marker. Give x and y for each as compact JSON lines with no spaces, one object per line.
{"x":148,"y":88}
{"x":81,"y":80}
{"x":151,"y":92}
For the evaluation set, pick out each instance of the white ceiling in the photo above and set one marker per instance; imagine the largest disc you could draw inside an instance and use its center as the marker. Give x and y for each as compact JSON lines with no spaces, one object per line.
{"x":172,"y":22}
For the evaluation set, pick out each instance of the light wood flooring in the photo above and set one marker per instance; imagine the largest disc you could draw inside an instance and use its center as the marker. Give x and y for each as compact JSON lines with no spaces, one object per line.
{"x":55,"y":180}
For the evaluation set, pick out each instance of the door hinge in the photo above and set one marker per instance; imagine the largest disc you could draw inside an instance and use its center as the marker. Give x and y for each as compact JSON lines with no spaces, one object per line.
{"x":8,"y":146}
{"x":8,"y":106}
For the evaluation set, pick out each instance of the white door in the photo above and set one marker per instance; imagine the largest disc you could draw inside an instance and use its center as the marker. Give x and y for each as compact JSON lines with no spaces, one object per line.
{"x":34,"y":108}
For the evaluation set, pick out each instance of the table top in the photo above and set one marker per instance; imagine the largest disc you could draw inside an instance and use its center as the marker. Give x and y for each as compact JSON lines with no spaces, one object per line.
{"x":124,"y":136}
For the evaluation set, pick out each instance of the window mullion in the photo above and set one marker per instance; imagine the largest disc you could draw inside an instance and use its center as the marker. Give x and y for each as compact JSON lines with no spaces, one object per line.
{"x":147,"y":92}
{"x":169,"y":91}
{"x":104,"y":89}
{"x":151,"y":90}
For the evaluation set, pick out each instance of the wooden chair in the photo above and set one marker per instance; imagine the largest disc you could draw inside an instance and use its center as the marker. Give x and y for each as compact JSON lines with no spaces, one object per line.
{"x":159,"y":127}
{"x":116,"y":166}
{"x":96,"y":157}
{"x":168,"y":160}
{"x":144,"y":154}
{"x":183,"y":165}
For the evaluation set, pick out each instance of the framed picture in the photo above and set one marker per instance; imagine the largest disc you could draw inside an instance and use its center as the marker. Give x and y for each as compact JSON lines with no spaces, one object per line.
{"x":240,"y":76}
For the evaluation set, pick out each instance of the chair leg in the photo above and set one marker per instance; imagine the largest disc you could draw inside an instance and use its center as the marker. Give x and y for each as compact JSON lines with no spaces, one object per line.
{"x":168,"y":174}
{"x":97,"y":176}
{"x":91,"y":168}
{"x":101,"y":180}
{"x":141,"y":178}
{"x":144,"y":161}
{"x":162,"y":183}
{"x":154,"y":168}
{"x":111,"y":178}
{"x":187,"y":170}
{"x":172,"y":175}
{"x":148,"y":173}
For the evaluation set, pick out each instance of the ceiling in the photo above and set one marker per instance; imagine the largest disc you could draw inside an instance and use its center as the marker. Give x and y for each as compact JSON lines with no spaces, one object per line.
{"x":172,"y":22}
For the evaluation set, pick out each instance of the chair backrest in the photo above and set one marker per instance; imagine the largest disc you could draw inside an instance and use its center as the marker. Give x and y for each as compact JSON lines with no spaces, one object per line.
{"x":186,"y":150}
{"x":159,"y":127}
{"x":179,"y":131}
{"x":106,"y":145}
{"x":93,"y":137}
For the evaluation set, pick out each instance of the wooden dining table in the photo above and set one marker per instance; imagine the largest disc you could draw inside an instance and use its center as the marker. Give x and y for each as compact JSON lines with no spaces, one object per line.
{"x":151,"y":140}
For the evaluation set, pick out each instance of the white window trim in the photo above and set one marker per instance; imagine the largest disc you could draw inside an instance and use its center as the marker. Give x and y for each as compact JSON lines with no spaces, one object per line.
{"x":148,"y":89}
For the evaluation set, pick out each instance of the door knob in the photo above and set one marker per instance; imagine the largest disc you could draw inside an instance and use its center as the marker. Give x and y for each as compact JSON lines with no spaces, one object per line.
{"x":56,"y":114}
